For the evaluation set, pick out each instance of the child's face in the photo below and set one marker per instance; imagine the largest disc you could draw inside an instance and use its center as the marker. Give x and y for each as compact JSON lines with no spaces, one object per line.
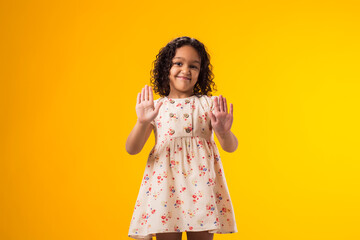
{"x":184,"y":72}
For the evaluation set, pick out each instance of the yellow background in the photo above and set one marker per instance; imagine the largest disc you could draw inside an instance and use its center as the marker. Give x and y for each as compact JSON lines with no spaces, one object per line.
{"x":70,"y":72}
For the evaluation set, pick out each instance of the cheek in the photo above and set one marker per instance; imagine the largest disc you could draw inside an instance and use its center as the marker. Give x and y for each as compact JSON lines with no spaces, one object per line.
{"x":173,"y":72}
{"x":196,"y":75}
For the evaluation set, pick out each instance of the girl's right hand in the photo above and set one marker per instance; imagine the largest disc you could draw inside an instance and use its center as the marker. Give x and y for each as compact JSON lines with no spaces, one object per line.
{"x":145,"y":110}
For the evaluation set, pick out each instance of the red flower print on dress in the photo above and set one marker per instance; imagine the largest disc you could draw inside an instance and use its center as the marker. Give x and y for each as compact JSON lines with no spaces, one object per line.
{"x":211,"y":182}
{"x":165,"y":218}
{"x":197,"y":196}
{"x":202,"y":118}
{"x":159,"y":125}
{"x":179,"y":148}
{"x":190,"y":156}
{"x":167,"y":152}
{"x":173,"y":163}
{"x":218,"y":197}
{"x":161,"y":177}
{"x":178,"y":203}
{"x":203,"y":170}
{"x":182,"y":189}
{"x":210,"y":208}
{"x":216,"y":223}
{"x":144,"y":218}
{"x":224,"y":210}
{"x":146,"y":179}
{"x":138,"y":204}
{"x":148,"y":193}
{"x":200,"y":144}
{"x":172,"y":191}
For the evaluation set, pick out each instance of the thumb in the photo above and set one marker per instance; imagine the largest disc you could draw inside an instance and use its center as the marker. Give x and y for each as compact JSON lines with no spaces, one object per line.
{"x":157,"y":107}
{"x":212,"y":117}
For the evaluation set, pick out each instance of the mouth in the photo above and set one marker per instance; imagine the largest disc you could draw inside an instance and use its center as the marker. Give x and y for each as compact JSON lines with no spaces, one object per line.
{"x":184,"y":78}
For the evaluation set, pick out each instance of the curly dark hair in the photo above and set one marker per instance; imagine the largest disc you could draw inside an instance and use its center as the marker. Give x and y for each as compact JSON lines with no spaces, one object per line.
{"x":161,"y":67}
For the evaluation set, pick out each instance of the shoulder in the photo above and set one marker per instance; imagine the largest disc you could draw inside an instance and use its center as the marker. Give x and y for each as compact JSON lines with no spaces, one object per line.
{"x":205,"y":98}
{"x":206,"y":101}
{"x":159,"y":100}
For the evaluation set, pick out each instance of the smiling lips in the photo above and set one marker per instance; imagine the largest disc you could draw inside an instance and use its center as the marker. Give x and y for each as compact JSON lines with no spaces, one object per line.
{"x":183,"y":77}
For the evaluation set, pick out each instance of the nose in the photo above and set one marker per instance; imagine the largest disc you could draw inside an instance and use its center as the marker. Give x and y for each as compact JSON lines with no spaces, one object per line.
{"x":186,"y":69}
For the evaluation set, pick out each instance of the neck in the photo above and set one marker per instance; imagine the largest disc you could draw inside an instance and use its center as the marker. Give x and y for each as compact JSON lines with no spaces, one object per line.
{"x":179,"y":95}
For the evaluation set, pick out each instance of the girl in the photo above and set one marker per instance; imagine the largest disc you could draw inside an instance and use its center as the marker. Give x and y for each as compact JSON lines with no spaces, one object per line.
{"x":183,"y":187}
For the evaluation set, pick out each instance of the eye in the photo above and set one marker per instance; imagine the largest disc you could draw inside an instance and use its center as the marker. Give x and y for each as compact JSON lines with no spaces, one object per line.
{"x":177,"y":63}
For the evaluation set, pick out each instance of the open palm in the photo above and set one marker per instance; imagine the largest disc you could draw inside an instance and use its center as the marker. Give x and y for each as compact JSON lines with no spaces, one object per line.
{"x":145,"y":110}
{"x":221,"y":120}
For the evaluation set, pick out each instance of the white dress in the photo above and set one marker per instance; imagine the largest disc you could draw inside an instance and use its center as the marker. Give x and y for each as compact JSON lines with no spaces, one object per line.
{"x":183,"y":186}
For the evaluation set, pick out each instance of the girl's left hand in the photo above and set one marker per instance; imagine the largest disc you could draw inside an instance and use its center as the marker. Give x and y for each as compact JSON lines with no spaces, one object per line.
{"x":221,"y":120}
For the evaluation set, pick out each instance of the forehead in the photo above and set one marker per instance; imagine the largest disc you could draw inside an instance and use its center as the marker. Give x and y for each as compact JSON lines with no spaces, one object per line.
{"x":187,"y":53}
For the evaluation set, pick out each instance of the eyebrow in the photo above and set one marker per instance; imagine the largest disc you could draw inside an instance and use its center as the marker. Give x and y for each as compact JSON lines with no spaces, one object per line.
{"x":184,"y":58}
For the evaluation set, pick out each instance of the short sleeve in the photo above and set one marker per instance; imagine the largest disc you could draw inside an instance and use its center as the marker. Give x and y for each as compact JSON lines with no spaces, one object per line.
{"x":212,"y":105}
{"x":207,"y":102}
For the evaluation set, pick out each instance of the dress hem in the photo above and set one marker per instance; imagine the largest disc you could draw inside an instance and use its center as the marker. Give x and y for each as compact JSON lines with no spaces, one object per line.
{"x":149,"y":236}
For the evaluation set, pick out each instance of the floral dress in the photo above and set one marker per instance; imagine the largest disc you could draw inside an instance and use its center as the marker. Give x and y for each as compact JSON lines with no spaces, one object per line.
{"x":183,"y":186}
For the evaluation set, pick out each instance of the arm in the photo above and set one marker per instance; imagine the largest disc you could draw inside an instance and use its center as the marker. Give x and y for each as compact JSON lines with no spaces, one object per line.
{"x":228,"y":141}
{"x":221,"y":122}
{"x":138,"y":137}
{"x":145,"y":112}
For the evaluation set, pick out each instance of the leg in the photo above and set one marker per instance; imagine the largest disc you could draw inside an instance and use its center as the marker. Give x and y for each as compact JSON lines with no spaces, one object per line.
{"x":169,"y":236}
{"x":205,"y":235}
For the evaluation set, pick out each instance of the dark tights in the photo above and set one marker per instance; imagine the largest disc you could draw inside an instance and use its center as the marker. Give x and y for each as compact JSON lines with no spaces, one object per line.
{"x":205,"y":235}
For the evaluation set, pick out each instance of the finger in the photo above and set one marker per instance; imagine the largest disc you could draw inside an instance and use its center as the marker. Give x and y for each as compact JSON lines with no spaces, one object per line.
{"x":138,"y":98}
{"x":221,"y":103}
{"x":146,"y":92}
{"x":216,"y":104}
{"x":231,"y":108}
{"x":225,"y":106}
{"x":143,"y":94}
{"x":151,"y":97}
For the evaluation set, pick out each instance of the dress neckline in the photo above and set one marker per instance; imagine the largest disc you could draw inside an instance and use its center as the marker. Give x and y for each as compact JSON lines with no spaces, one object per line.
{"x":180,"y":98}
